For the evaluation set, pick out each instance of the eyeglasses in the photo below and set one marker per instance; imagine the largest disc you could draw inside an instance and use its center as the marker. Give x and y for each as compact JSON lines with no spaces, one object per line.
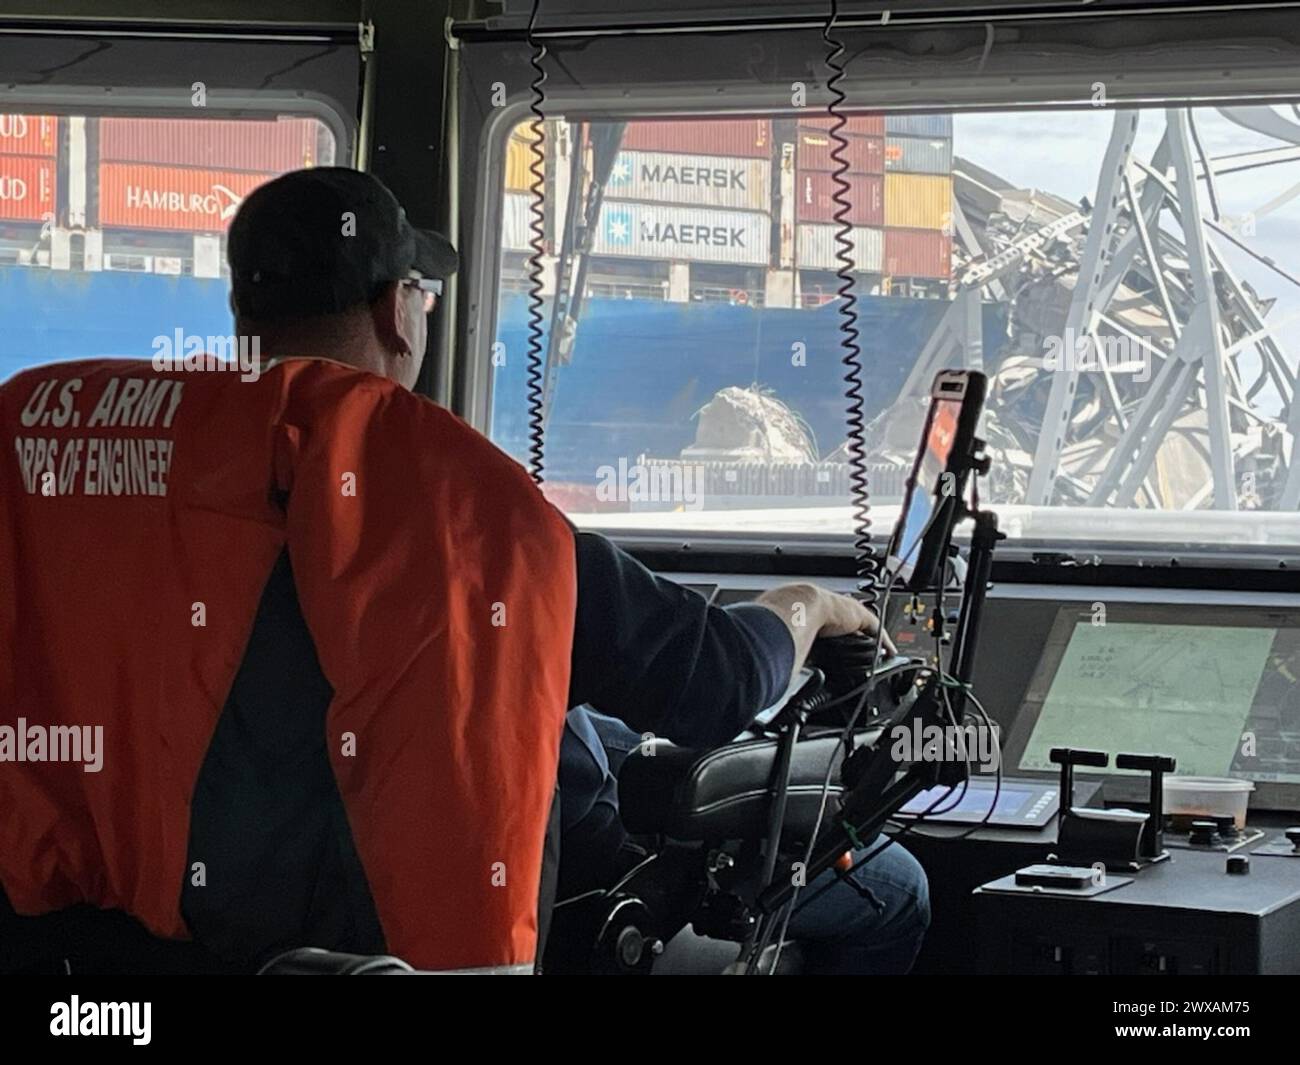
{"x":431,"y":287}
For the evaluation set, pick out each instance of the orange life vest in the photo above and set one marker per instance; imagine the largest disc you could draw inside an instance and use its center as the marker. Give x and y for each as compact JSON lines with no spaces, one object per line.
{"x":142,"y":514}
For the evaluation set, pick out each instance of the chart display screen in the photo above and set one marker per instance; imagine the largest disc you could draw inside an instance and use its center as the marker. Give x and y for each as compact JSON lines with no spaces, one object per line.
{"x":1222,"y":698}
{"x":975,"y":802}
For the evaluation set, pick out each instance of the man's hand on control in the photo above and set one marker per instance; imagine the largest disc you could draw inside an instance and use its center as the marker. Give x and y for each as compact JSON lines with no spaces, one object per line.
{"x":811,"y":612}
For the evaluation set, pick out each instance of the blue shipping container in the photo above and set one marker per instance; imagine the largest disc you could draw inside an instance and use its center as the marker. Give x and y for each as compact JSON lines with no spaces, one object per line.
{"x":918,"y":155}
{"x":934,"y":125}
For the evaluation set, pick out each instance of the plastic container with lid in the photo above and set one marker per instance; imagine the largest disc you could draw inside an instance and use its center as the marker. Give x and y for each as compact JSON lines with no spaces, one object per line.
{"x":1207,"y":797}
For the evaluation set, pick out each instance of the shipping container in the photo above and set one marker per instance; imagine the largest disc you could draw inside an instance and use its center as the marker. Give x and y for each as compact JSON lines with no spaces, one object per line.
{"x":917,"y":253}
{"x":698,"y":180}
{"x":516,"y":222}
{"x":817,"y":248}
{"x":918,"y":155}
{"x":865,"y":155}
{"x":26,"y":188}
{"x":918,"y":201}
{"x":160,"y":197}
{"x":933,"y":125}
{"x":211,"y":143}
{"x":29,"y":135}
{"x":691,"y":234}
{"x":520,"y":159}
{"x":813,"y":192}
{"x":748,"y":137}
{"x":872,"y":125}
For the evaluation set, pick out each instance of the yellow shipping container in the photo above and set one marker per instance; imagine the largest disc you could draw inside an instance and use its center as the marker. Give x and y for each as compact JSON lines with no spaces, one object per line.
{"x":519,"y":159}
{"x":918,"y":201}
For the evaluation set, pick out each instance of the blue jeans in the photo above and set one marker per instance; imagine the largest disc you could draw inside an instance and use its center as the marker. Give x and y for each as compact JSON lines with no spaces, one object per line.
{"x":876,"y":931}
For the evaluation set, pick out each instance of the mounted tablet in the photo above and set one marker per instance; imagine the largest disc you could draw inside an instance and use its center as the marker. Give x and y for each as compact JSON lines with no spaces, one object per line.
{"x":919,"y":543}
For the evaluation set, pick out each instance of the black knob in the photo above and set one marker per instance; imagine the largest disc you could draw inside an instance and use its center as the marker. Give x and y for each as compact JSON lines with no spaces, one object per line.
{"x":1238,"y":865}
{"x":1227,"y":826}
{"x":1293,"y":837}
{"x":1204,"y":833}
{"x":629,"y":947}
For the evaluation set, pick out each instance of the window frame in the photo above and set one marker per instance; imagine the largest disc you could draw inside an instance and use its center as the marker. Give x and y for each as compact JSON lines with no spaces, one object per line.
{"x":599,"y":80}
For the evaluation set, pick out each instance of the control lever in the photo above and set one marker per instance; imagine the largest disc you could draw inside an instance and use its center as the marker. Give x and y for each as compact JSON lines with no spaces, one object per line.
{"x":1067,"y":758}
{"x":1153,"y":835}
{"x":845,"y":660}
{"x":1118,"y":839}
{"x":1085,"y":836}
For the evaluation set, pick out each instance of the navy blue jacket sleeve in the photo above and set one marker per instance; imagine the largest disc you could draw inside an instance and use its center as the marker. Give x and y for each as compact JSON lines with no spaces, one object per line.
{"x":656,"y":655}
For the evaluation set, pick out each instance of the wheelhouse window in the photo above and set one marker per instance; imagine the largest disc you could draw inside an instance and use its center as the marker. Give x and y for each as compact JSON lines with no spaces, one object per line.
{"x":1128,"y":280}
{"x":112,"y":228}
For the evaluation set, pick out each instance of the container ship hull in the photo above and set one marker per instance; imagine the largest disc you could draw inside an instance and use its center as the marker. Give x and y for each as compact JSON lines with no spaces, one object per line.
{"x":642,"y":369}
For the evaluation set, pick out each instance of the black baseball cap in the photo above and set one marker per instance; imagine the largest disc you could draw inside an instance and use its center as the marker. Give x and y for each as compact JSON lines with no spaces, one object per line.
{"x":322,"y":240}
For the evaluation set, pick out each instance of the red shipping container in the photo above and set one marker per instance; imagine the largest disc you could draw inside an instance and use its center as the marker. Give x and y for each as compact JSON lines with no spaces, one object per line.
{"x":212,"y":143}
{"x":29,"y":135}
{"x":26,"y":188}
{"x":159,"y":197}
{"x":917,"y":253}
{"x":814,"y":189}
{"x":872,"y":125}
{"x":749,"y":138}
{"x":866,"y":155}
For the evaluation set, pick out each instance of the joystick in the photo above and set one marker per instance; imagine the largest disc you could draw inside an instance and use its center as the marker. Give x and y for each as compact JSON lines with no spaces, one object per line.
{"x":845,"y":660}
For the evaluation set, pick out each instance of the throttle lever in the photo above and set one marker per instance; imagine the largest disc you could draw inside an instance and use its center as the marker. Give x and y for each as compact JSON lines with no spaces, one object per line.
{"x":845,"y":660}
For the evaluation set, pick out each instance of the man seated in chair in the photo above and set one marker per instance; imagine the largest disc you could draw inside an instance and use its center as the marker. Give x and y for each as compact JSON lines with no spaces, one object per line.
{"x":331,"y":633}
{"x":668,"y":664}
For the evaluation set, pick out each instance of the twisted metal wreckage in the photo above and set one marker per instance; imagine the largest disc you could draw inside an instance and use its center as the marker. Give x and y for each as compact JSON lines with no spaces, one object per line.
{"x":1121,"y":383}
